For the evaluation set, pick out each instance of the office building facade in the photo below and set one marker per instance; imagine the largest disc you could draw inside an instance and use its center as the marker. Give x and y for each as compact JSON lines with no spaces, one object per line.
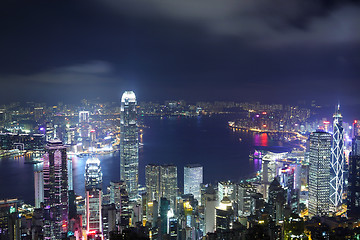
{"x":319,"y":173}
{"x":129,"y":143}
{"x":55,"y":190}
{"x":337,"y":166}
{"x":39,"y":188}
{"x":161,"y":182}
{"x":93,"y":181}
{"x":193,"y":177}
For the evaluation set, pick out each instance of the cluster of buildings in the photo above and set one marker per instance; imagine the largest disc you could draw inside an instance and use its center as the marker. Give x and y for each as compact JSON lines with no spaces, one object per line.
{"x":313,"y":194}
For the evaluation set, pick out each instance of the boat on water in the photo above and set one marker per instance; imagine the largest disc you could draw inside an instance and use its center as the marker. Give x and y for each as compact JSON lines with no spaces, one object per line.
{"x":81,"y":155}
{"x":34,"y":161}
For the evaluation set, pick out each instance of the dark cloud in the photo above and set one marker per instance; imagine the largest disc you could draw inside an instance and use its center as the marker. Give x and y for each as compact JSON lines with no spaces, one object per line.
{"x":277,"y":50}
{"x":276,"y":21}
{"x":89,"y":73}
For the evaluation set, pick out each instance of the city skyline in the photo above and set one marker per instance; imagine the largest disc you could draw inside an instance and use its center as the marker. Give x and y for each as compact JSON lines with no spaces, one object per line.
{"x":296,"y":180}
{"x":180,"y":120}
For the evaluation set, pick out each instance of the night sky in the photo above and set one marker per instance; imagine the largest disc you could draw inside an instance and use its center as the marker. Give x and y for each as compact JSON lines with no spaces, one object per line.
{"x":241,"y":50}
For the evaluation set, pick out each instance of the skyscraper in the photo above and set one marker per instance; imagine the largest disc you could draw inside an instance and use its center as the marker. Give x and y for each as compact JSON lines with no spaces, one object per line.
{"x":39,"y":188}
{"x":93,"y":174}
{"x":152,"y":182}
{"x":354,"y":180}
{"x":55,"y":190}
{"x":337,"y":162}
{"x":210,"y":209}
{"x":168,"y":184}
{"x":70,"y":175}
{"x":193,"y":177}
{"x":84,"y":116}
{"x":120,"y":197}
{"x":93,"y":180}
{"x":161,"y":182}
{"x":319,"y":173}
{"x":224,"y":214}
{"x":129,"y":144}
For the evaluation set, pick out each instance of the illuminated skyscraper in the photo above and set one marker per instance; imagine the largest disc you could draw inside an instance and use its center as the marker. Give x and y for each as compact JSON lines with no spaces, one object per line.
{"x":38,"y":113}
{"x":39,"y":188}
{"x":337,"y":162}
{"x":93,"y":180}
{"x":319,"y":173}
{"x":84,"y":119}
{"x":224,"y":214}
{"x":120,"y":197}
{"x":168,"y":184}
{"x":93,"y":174}
{"x":84,"y":116}
{"x":129,"y":144}
{"x":152,"y":179}
{"x":193,"y":177}
{"x":210,"y":209}
{"x":161,"y":182}
{"x":70,"y":175}
{"x":55,"y":190}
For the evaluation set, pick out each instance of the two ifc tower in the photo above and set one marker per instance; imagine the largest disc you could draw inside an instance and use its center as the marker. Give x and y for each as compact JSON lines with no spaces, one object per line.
{"x":129,"y":144}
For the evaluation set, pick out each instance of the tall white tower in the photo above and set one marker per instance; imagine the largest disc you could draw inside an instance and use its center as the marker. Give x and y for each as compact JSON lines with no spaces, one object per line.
{"x":337,"y":162}
{"x":129,"y":144}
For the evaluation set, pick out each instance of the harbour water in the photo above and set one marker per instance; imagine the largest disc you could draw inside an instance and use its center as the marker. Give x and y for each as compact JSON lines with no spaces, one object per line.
{"x":208,"y":141}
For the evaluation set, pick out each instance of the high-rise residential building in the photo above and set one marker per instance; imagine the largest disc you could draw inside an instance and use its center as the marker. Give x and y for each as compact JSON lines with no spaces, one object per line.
{"x":55,"y":190}
{"x":353,"y":195}
{"x":193,"y":177}
{"x":319,"y":173}
{"x":93,"y":181}
{"x":161,"y":182}
{"x":337,"y":166}
{"x":39,"y":188}
{"x":129,"y":144}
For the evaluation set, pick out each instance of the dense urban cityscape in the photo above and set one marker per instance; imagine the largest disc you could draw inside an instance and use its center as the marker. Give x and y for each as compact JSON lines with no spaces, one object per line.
{"x":180,"y":120}
{"x":306,"y":189}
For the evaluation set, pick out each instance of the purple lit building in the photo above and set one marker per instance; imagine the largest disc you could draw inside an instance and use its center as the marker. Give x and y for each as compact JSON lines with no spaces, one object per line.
{"x":55,"y":190}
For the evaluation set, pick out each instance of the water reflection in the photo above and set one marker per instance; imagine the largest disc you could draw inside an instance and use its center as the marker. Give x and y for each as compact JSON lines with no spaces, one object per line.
{"x":261,"y":139}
